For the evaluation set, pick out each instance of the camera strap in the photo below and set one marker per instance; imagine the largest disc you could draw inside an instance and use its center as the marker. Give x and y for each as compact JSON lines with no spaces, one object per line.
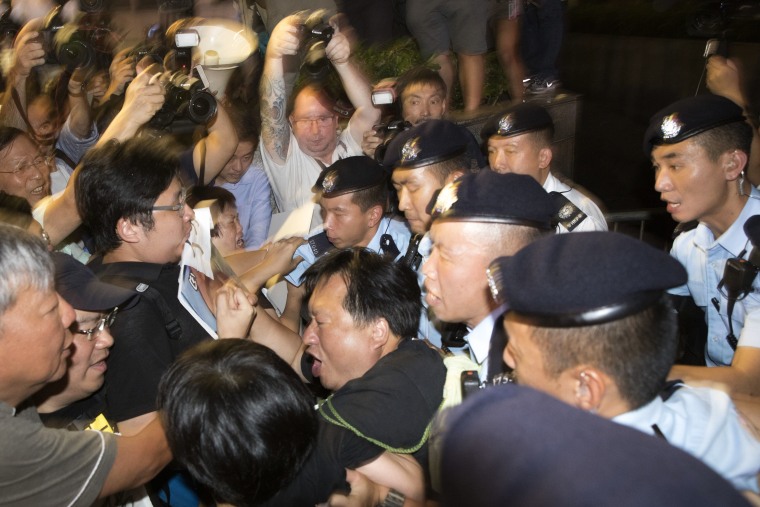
{"x":21,"y":110}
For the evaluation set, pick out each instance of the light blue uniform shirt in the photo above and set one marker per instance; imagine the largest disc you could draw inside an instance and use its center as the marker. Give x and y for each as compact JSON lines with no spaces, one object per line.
{"x":397,"y":229}
{"x":704,"y":423}
{"x":704,"y":258}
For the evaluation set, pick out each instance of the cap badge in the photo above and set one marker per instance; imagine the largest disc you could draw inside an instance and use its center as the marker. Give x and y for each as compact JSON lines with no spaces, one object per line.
{"x":565,"y":212}
{"x":493,"y":274}
{"x":671,"y":126}
{"x":411,"y":150}
{"x":328,"y":184}
{"x":446,"y":198}
{"x":505,"y":124}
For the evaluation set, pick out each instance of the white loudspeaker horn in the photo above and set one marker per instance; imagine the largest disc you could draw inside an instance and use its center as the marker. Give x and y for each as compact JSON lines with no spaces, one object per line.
{"x":223,"y":45}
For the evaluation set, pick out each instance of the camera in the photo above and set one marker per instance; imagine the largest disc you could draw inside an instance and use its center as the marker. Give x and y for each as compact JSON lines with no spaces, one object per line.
{"x":86,"y":44}
{"x":388,"y":131}
{"x":315,"y":34}
{"x":186,"y":98}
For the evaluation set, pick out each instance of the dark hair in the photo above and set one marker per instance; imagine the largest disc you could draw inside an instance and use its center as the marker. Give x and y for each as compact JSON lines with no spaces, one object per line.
{"x":15,"y":210}
{"x":373,"y":196}
{"x":223,"y":197}
{"x":8,"y":135}
{"x":420,"y":75}
{"x":636,"y":351}
{"x":245,"y":121}
{"x":443,"y":170}
{"x":322,"y":92}
{"x":238,"y":418}
{"x":717,"y":141}
{"x":543,"y":138}
{"x":123,"y":180}
{"x":376,"y":287}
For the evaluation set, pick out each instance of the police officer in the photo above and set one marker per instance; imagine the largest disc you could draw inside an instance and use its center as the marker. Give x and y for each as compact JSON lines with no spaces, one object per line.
{"x":519,"y":141}
{"x":423,"y":159}
{"x":699,"y":148}
{"x":476,"y":219}
{"x":353,"y":196}
{"x":602,"y":337}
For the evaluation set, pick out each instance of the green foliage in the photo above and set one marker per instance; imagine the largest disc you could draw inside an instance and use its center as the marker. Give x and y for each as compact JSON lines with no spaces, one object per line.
{"x":403,"y":54}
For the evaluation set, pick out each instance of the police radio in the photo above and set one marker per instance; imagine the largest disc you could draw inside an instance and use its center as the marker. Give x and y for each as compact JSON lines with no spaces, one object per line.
{"x":739,"y":274}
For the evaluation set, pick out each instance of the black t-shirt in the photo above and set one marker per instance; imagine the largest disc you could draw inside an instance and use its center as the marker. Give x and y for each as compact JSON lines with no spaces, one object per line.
{"x":143,"y":346}
{"x":391,"y":404}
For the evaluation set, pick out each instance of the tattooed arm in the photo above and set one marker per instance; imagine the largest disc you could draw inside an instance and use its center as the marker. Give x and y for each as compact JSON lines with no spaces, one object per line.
{"x":275,"y":130}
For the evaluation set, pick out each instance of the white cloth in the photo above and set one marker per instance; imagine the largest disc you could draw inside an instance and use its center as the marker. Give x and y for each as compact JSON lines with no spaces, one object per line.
{"x":73,"y":146}
{"x":479,"y":340}
{"x":594,"y":220}
{"x":292,"y":181}
{"x":704,"y":423}
{"x":704,"y":258}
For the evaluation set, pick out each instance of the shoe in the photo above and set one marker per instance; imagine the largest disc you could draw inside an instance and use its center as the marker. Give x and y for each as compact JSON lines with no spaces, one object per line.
{"x":543,"y":86}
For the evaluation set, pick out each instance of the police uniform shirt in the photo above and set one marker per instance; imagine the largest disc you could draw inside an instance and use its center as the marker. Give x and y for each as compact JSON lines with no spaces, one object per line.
{"x":397,"y":229}
{"x":591,"y":217}
{"x":704,"y":423}
{"x":704,"y":258}
{"x":479,"y":340}
{"x":430,"y":327}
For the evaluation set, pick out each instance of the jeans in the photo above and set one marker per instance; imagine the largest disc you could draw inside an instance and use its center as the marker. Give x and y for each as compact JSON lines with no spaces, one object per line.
{"x":543,"y":27}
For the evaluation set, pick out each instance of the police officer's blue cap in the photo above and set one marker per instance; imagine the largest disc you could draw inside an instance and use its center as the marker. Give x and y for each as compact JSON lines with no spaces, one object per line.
{"x":78,"y":285}
{"x":432,"y":142}
{"x":689,"y":117}
{"x":350,"y":174}
{"x":512,"y":445}
{"x":487,"y":196}
{"x":518,"y":119}
{"x":582,"y":278}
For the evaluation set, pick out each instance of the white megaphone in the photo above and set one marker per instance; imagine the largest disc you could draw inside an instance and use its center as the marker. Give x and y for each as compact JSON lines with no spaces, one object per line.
{"x":222,"y":47}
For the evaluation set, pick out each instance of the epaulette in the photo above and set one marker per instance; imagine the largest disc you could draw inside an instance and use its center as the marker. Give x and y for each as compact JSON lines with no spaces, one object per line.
{"x":567,"y":214}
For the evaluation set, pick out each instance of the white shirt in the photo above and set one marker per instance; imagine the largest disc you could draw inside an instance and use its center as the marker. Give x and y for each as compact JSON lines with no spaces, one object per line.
{"x":594,"y":220}
{"x":292,"y":181}
{"x":479,"y":340}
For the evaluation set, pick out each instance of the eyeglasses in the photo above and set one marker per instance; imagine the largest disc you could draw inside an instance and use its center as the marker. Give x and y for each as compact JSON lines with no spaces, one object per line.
{"x":24,"y":167}
{"x":179,"y":207}
{"x":106,"y":321}
{"x":321,"y":121}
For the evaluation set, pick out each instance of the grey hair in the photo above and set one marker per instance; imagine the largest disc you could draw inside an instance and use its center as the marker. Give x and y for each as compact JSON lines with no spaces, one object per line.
{"x":24,"y":263}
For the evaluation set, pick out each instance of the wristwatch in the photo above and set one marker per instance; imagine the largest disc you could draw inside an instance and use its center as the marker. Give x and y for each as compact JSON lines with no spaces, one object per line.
{"x":393,"y":499}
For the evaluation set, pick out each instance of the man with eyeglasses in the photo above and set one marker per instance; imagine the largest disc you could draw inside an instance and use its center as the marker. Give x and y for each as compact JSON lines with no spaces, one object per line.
{"x":24,"y":170}
{"x":76,"y":400}
{"x":130,"y":197}
{"x":300,"y":139}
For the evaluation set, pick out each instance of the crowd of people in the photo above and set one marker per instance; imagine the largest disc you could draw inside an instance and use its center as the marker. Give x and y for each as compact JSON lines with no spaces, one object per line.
{"x":459,"y":326}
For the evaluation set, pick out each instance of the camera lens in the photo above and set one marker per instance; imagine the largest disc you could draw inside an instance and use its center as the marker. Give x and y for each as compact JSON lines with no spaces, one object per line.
{"x":202,"y":107}
{"x":75,"y":54}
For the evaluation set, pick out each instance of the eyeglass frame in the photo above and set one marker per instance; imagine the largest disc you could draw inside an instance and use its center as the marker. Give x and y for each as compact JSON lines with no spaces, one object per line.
{"x":179,"y":207}
{"x":106,"y":321}
{"x":37,"y":161}
{"x":321,"y":121}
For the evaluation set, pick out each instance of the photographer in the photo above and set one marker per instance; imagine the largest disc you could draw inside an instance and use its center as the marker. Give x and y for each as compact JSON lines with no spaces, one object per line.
{"x":67,"y":136}
{"x":419,"y":95}
{"x":296,"y":147}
